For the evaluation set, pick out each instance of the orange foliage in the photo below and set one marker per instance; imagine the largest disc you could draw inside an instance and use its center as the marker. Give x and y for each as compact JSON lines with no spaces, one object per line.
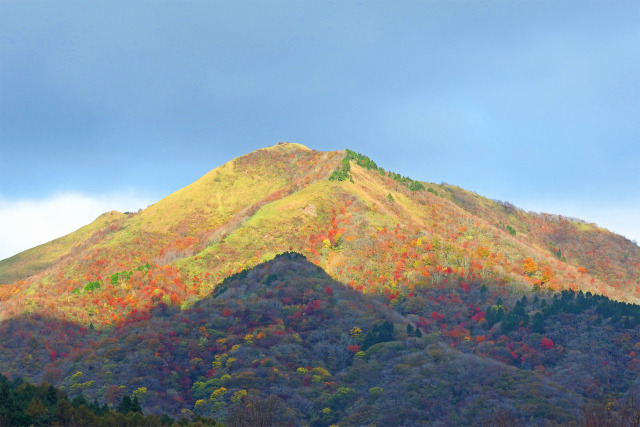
{"x":530,"y":267}
{"x":547,"y":274}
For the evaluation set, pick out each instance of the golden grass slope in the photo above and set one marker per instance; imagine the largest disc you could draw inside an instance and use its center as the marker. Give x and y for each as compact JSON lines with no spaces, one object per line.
{"x":375,"y":220}
{"x":183,"y":223}
{"x":39,"y":258}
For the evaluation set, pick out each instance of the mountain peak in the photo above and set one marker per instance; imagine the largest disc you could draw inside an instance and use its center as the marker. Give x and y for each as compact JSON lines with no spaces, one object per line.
{"x":290,"y":145}
{"x":258,"y":205}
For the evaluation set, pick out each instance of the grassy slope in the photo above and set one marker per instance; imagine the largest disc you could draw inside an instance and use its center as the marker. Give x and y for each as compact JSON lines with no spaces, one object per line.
{"x":204,"y":205}
{"x":35,"y":260}
{"x":178,"y":226}
{"x":607,"y":257}
{"x":291,"y":223}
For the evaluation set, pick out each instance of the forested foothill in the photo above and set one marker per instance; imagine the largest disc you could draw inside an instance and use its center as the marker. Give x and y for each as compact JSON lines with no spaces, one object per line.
{"x":25,"y":404}
{"x":324,"y":353}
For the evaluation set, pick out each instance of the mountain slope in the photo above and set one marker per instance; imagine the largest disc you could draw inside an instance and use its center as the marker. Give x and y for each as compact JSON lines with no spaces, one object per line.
{"x":35,"y":260}
{"x":223,"y":197}
{"x":516,"y":294}
{"x":611,"y":258}
{"x":378,"y":231}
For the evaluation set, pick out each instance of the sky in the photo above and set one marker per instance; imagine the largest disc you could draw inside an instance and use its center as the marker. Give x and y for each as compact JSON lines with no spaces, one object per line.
{"x":115,"y":105}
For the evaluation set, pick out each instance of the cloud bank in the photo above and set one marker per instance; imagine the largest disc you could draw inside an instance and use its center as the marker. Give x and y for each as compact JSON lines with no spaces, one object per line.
{"x":27,"y":223}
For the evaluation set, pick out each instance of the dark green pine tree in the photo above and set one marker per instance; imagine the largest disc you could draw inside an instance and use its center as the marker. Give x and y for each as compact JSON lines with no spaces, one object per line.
{"x":537,"y":326}
{"x":510,"y":323}
{"x":494,"y":315}
{"x":7,"y":403}
{"x":78,"y":401}
{"x":51,"y":398}
{"x":135,"y":405}
{"x":125,"y":405}
{"x":409,"y":329}
{"x":381,"y":332}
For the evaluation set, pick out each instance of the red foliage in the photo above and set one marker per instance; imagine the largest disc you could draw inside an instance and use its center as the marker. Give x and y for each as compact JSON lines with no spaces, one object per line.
{"x":436,"y":316}
{"x":479,"y":316}
{"x":353,"y":348}
{"x":546,"y":343}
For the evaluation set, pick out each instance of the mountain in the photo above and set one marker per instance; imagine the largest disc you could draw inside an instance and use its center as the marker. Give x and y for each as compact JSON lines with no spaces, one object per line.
{"x":189,"y":304}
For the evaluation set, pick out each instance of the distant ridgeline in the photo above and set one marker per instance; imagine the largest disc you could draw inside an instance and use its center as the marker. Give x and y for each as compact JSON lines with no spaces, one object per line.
{"x":343,"y":172}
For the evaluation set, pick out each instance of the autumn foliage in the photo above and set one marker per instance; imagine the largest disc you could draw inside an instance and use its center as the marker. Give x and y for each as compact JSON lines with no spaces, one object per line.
{"x":181,"y":299}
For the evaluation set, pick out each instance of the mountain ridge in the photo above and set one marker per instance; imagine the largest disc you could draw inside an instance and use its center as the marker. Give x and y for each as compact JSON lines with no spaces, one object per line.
{"x":196,"y":217}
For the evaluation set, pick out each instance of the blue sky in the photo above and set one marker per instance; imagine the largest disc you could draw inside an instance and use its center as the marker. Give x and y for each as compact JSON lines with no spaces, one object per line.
{"x":114,"y":105}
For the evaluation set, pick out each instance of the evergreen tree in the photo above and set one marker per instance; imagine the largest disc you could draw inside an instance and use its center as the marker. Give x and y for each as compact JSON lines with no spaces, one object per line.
{"x":510,"y":323}
{"x":51,"y":398}
{"x":125,"y":405}
{"x":409,"y":329}
{"x":537,"y":326}
{"x":79,"y":400}
{"x":135,"y":405}
{"x":381,"y":332}
{"x":7,"y":403}
{"x":494,"y":315}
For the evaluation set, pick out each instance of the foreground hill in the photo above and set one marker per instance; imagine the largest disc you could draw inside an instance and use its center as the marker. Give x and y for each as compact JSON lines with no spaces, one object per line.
{"x":323,"y":353}
{"x":516,"y":295}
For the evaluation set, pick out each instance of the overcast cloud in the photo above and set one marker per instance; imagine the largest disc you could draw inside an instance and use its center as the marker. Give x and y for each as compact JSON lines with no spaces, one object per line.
{"x":533,"y":102}
{"x":33,"y":222}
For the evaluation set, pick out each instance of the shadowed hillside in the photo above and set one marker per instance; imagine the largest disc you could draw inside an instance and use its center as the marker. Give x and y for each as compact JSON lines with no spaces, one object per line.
{"x":323,"y":353}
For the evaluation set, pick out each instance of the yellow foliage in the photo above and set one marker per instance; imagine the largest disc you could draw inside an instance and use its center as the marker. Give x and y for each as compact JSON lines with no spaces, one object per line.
{"x":355,"y":332}
{"x":139,"y":392}
{"x":547,"y":274}
{"x":218,"y":393}
{"x":238,"y":396}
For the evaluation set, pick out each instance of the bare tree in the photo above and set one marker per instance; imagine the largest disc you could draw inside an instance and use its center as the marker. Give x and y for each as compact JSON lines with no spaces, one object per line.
{"x":256,"y":411}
